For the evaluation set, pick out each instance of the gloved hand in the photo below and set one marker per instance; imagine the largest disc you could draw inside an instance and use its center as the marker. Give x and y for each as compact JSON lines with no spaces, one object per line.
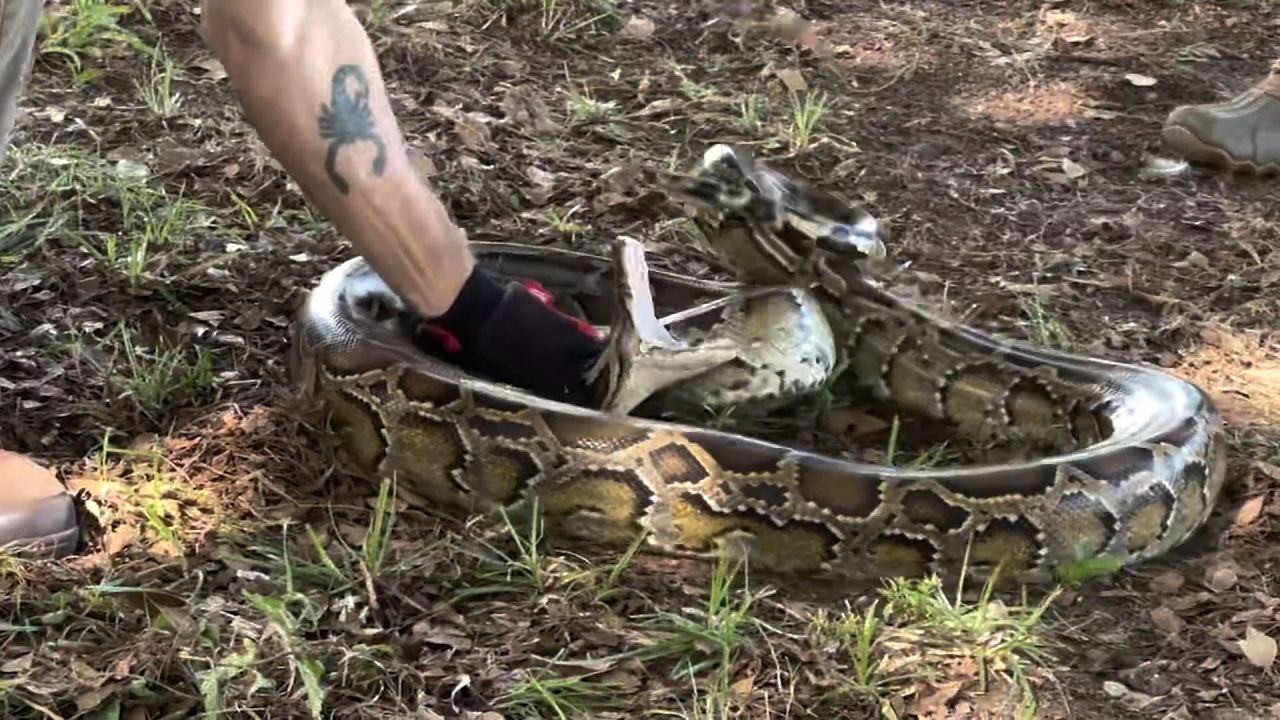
{"x":513,"y":334}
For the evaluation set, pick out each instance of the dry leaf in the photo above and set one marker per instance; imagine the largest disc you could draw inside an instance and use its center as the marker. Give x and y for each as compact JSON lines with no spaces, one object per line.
{"x":1167,"y":583}
{"x":472,"y":132}
{"x":1140,"y":80}
{"x":850,"y":422}
{"x":1166,"y":620}
{"x":212,"y":67}
{"x":1259,"y":647}
{"x":524,"y":108}
{"x":792,"y":78}
{"x":18,"y":664}
{"x":638,"y":27}
{"x":422,"y":166}
{"x":1249,"y":511}
{"x":660,"y":106}
{"x":743,"y":687}
{"x":1210,"y":663}
{"x":91,"y":699}
{"x":1266,"y":468}
{"x":119,"y":539}
{"x":1073,"y":169}
{"x":934,"y":704}
{"x":1221,"y":578}
{"x":1195,"y":259}
{"x":543,"y":184}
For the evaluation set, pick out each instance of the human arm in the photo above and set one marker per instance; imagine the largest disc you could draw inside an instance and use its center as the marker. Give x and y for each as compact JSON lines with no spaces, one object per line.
{"x":310,"y":84}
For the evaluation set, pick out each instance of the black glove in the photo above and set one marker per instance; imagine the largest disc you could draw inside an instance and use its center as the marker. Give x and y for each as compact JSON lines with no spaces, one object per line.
{"x":512,"y":335}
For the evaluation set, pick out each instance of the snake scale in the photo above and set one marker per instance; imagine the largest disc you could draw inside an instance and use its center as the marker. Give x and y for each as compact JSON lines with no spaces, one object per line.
{"x":1135,"y":456}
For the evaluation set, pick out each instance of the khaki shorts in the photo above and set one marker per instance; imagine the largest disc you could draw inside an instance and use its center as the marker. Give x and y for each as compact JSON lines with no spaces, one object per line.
{"x":17,"y":38}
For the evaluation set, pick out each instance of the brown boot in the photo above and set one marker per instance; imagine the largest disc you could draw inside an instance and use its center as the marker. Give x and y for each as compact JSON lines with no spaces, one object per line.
{"x":1240,"y":134}
{"x":38,"y":516}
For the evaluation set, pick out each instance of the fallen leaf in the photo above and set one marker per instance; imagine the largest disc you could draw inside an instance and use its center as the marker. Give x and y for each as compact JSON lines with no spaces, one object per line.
{"x":543,"y":183}
{"x":523,"y":107}
{"x":1166,"y":620}
{"x":93,"y":698}
{"x":212,"y":68}
{"x":1186,"y":602}
{"x":1266,"y":468}
{"x":1167,"y":583}
{"x":1073,"y":169}
{"x":934,"y":704}
{"x":441,"y":635}
{"x":638,"y":27}
{"x":119,"y":539}
{"x":660,"y":106}
{"x":1114,"y":689}
{"x":850,"y":422}
{"x":18,"y":664}
{"x":422,"y":166}
{"x":472,"y":131}
{"x":1221,"y":578}
{"x":1249,"y":511}
{"x":1258,"y":647}
{"x":1059,"y":18}
{"x":1140,"y":80}
{"x":793,"y":79}
{"x":1195,"y":259}
{"x":132,"y":169}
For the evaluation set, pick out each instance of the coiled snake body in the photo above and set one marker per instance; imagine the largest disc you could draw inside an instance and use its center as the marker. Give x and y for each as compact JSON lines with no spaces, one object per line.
{"x":1136,"y":457}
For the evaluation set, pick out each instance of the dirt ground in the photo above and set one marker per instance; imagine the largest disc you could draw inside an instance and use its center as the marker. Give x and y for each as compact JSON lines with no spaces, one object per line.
{"x":151,"y":255}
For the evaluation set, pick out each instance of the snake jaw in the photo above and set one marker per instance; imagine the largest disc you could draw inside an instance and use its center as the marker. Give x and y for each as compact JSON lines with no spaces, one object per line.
{"x":641,"y":356}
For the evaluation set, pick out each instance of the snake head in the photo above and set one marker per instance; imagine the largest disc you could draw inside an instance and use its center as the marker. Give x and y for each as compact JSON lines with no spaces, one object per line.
{"x":772,"y":228}
{"x":836,"y":226}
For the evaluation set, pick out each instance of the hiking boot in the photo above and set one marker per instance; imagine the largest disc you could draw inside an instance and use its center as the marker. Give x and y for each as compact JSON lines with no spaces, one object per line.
{"x":1242,"y":133}
{"x":38,"y":516}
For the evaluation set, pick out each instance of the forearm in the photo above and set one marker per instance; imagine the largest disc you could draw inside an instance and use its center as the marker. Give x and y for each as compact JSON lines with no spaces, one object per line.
{"x":309,"y":82}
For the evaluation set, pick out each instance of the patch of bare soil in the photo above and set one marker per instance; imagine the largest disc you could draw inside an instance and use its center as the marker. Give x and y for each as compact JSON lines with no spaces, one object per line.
{"x":151,"y":255}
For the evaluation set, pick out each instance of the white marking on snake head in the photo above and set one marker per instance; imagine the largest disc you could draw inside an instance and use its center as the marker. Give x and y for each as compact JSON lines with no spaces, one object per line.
{"x":863,"y":236}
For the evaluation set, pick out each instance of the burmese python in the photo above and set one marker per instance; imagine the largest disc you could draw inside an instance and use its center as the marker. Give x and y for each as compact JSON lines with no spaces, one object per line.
{"x":1137,"y":458}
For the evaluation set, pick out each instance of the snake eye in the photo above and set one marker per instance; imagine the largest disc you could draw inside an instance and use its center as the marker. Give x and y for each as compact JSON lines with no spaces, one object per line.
{"x":369,"y":295}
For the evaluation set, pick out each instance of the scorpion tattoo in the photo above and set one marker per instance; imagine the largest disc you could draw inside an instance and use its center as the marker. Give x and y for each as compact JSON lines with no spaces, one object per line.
{"x":346,"y":120}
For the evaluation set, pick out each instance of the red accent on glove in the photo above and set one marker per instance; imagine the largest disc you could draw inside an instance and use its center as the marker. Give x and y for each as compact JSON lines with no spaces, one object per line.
{"x":549,"y":300}
{"x":446,"y":338}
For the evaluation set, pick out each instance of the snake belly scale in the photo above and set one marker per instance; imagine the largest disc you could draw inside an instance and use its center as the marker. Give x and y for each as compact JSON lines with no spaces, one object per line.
{"x":1135,"y":461}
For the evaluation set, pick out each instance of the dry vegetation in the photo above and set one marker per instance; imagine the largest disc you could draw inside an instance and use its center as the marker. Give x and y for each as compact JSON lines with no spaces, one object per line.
{"x":151,"y":253}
